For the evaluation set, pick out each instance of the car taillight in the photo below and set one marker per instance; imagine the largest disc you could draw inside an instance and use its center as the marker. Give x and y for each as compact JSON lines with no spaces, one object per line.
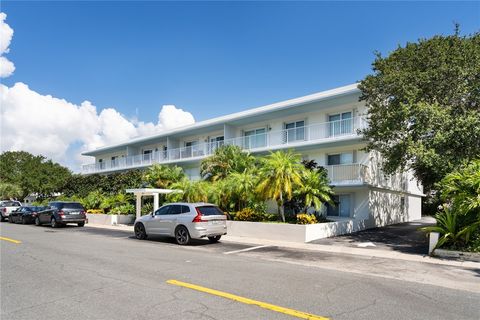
{"x":198,"y":217}
{"x":4,"y":210}
{"x":82,"y":212}
{"x":61,"y":213}
{"x":34,"y":214}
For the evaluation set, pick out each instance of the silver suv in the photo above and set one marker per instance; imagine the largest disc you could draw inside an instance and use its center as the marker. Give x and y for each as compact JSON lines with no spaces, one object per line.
{"x":183,"y":221}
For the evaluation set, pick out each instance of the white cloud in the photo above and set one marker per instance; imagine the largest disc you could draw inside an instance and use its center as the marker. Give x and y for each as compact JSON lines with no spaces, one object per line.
{"x":6,"y":34}
{"x":60,"y":130}
{"x":42,"y":124}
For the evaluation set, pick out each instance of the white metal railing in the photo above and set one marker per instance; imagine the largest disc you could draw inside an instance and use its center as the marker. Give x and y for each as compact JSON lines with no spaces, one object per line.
{"x":345,"y":174}
{"x":314,"y":132}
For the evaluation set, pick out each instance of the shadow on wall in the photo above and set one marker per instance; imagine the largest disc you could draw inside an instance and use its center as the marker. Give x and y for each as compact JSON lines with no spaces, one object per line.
{"x":376,"y":177}
{"x":387,"y":208}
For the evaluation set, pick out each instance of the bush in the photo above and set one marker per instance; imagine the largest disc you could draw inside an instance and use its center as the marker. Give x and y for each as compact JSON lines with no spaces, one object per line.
{"x":123,"y":209}
{"x":147,"y":208}
{"x":305,"y":218}
{"x":95,"y":211}
{"x":249,"y":214}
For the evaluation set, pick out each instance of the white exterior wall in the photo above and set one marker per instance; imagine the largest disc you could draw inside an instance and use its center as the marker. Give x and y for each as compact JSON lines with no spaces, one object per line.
{"x":108,"y":156}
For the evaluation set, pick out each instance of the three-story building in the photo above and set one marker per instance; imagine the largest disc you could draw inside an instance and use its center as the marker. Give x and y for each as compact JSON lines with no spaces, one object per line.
{"x":323,"y":127}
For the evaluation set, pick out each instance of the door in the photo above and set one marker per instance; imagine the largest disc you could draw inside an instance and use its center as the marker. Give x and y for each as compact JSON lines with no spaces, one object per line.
{"x":294,"y":131}
{"x":156,"y":225}
{"x":342,"y":206}
{"x":255,"y":138}
{"x":169,"y":222}
{"x":340,"y":123}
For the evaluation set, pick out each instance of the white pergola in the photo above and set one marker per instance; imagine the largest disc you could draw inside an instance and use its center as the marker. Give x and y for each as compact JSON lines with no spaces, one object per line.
{"x":139,"y":193}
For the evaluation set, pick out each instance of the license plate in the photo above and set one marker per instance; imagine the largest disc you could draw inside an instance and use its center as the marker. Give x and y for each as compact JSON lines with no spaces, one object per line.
{"x":216,"y":222}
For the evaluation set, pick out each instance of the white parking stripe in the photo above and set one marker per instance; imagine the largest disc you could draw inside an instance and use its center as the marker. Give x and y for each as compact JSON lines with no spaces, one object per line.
{"x":246,"y":249}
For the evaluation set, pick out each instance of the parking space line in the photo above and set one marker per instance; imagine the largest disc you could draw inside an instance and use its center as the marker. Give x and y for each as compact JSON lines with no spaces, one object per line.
{"x":246,"y":249}
{"x":11,"y":240}
{"x":290,"y":312}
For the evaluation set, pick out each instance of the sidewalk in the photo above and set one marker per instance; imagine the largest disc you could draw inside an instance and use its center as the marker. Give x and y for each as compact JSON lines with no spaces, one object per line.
{"x":365,"y":252}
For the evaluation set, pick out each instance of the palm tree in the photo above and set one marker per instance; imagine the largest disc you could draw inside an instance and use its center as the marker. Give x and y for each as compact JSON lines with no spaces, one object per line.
{"x":161,"y":176}
{"x":241,"y":185}
{"x":280,"y":173}
{"x":192,"y":191}
{"x":315,"y":190}
{"x":225,"y":160}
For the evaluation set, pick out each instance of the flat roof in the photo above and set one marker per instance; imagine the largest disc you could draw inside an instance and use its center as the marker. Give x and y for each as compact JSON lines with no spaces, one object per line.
{"x":286,"y":104}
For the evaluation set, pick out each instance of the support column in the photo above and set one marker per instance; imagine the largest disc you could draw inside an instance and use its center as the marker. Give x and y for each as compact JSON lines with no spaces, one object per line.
{"x":155,"y":202}
{"x":139,"y":205}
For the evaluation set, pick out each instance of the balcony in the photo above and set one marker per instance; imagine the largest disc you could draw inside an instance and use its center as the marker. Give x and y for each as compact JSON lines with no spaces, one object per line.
{"x":348,"y":174}
{"x":307,"y":135}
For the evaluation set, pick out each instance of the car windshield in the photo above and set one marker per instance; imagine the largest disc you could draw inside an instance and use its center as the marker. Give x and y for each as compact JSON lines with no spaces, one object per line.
{"x":11,"y":204}
{"x":210,"y":211}
{"x":72,"y":205}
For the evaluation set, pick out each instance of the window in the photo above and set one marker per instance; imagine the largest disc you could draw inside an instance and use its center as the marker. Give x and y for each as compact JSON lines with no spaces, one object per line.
{"x":256,"y":138}
{"x":147,"y":154}
{"x":340,"y":123}
{"x":342,"y":206}
{"x":210,"y":211}
{"x":162,"y":211}
{"x":402,"y":204}
{"x":294,"y":131}
{"x":191,"y":147}
{"x":101,"y":164}
{"x":185,"y":209}
{"x":340,"y":158}
{"x":175,"y":209}
{"x":114,"y":161}
{"x":215,"y":143}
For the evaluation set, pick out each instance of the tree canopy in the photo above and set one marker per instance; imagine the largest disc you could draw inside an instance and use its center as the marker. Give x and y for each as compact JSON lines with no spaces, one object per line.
{"x":32,"y":174}
{"x":424,"y":106}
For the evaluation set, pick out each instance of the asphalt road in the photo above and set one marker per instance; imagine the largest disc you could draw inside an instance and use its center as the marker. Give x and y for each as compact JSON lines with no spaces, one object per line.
{"x":90,"y":273}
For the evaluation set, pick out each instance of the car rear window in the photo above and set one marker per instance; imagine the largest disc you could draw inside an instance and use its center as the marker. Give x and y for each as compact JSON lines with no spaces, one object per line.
{"x":11,"y":204}
{"x":210,"y":211}
{"x":72,"y":205}
{"x":36,"y":208}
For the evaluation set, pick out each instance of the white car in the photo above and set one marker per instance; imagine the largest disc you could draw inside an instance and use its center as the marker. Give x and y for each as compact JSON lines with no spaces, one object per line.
{"x":7,"y":206}
{"x":183,"y":221}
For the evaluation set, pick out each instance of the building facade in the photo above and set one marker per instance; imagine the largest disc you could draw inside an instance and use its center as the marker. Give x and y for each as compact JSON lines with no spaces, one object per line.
{"x":321,"y":127}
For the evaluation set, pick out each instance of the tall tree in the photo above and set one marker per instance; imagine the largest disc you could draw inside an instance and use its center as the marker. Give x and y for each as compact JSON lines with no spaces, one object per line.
{"x":33,"y":174}
{"x":424,"y":106}
{"x":279,"y":174}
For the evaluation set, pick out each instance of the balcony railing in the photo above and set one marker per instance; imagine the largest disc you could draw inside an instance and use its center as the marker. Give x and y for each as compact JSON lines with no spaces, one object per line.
{"x":289,"y":137}
{"x":347,"y":174}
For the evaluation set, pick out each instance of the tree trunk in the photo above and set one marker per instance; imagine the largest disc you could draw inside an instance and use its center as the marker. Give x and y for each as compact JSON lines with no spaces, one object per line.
{"x":281,"y":207}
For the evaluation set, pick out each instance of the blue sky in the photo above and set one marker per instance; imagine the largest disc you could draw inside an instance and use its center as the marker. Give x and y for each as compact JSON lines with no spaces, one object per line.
{"x":210,"y":58}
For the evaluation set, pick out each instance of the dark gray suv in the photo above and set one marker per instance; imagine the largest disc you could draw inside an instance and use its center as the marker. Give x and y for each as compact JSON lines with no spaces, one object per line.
{"x":59,"y":213}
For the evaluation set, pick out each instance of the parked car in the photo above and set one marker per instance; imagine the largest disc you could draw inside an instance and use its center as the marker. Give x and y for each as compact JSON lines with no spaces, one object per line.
{"x":183,"y":221}
{"x":7,"y":206}
{"x":25,"y":215}
{"x":59,"y":213}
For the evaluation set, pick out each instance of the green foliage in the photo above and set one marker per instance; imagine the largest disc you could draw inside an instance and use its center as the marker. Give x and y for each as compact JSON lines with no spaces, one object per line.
{"x":314,"y":189}
{"x":162,"y":176}
{"x":280,"y":173}
{"x":305,"y":218}
{"x":147,"y":208}
{"x":93,"y":200}
{"x":123,"y":209}
{"x":249,"y":214}
{"x":193,"y":191}
{"x":113,"y":202}
{"x":33,"y":174}
{"x":461,"y":189}
{"x":424,"y":106}
{"x":82,"y":185}
{"x":10,"y":191}
{"x":226,"y":159}
{"x":455,"y":230}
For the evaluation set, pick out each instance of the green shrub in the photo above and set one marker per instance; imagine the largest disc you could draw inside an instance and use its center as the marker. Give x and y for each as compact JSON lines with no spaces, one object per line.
{"x":123,"y":209}
{"x":305,"y":218}
{"x":147,"y":208}
{"x":95,"y":211}
{"x":249,"y":214}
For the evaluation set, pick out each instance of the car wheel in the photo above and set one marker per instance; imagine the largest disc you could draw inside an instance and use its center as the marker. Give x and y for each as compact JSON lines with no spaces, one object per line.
{"x":54,"y":223}
{"x":214,"y":239}
{"x":182,"y":236}
{"x":24,"y":221}
{"x":140,"y":232}
{"x":37,"y":221}
{"x":81,"y":224}
{"x":2,"y":218}
{"x":10,"y":219}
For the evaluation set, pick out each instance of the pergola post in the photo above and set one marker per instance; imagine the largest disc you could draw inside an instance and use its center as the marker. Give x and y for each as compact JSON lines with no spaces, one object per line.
{"x":155,"y":201}
{"x":138,"y":205}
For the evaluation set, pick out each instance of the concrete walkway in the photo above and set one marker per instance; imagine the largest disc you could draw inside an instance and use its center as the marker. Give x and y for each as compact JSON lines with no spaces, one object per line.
{"x":315,"y":247}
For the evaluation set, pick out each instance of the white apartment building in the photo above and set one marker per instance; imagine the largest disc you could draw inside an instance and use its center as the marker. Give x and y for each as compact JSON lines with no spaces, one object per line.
{"x":321,"y":127}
